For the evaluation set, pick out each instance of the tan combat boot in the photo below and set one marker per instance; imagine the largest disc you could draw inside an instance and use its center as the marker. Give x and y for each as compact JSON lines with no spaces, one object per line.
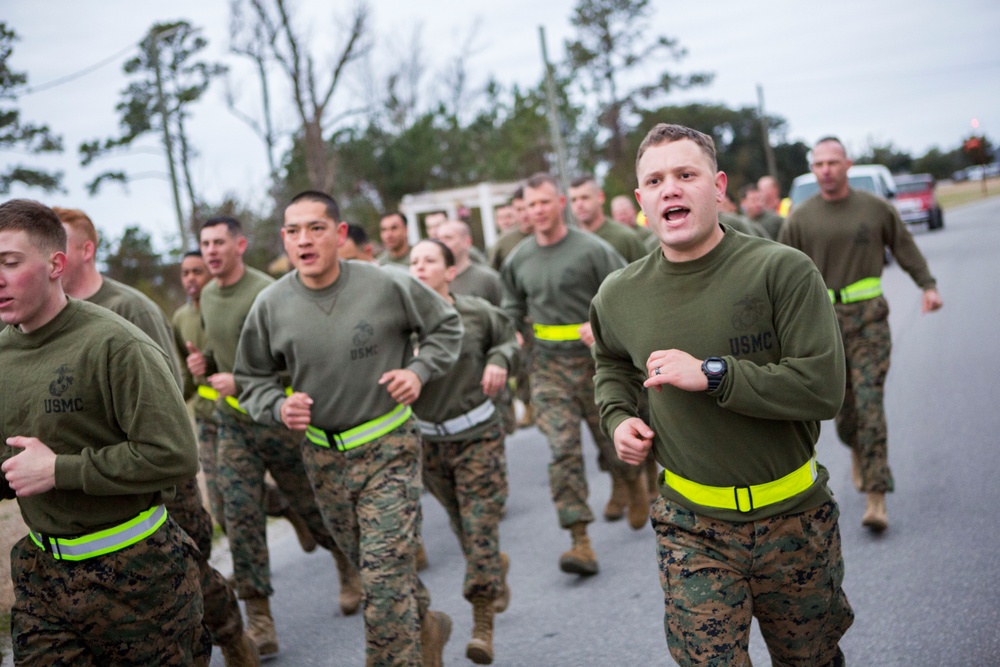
{"x":260,"y":626}
{"x":480,"y":649}
{"x":503,"y":601}
{"x":302,"y":532}
{"x":528,"y":418}
{"x":434,"y":633}
{"x":638,"y":502}
{"x":350,"y":584}
{"x":652,"y":479}
{"x":875,"y":517}
{"x":241,"y":652}
{"x":615,"y":509}
{"x":855,"y":469}
{"x":580,"y":559}
{"x":422,"y":562}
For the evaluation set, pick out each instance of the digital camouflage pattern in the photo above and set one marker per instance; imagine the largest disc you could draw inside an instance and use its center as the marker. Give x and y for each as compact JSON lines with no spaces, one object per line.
{"x":138,"y":607}
{"x":786,"y":570}
{"x":222,"y":612}
{"x":562,"y":393}
{"x":469,"y":478}
{"x":247,"y":451}
{"x":275,"y":503}
{"x":370,"y":500}
{"x":861,"y":424}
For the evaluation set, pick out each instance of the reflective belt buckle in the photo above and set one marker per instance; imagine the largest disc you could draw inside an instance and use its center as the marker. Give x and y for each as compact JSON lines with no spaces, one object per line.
{"x":749,"y":498}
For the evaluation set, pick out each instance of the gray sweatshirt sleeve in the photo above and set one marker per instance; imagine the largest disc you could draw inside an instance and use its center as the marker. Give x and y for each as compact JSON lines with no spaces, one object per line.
{"x":437,"y":326}
{"x":257,"y":370}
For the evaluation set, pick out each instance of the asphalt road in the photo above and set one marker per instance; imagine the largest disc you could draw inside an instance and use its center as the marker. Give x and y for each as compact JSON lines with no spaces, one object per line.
{"x":926,"y":592}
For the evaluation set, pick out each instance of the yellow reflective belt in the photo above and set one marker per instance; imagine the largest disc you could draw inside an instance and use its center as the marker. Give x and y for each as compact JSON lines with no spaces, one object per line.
{"x":557,"y":331}
{"x":104,"y":541}
{"x":362,"y":433}
{"x":752,"y":497}
{"x":212,"y":394}
{"x":864,"y":289}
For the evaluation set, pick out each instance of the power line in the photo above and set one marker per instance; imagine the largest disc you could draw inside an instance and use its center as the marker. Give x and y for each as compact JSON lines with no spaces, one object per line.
{"x":87,"y":70}
{"x":76,"y":75}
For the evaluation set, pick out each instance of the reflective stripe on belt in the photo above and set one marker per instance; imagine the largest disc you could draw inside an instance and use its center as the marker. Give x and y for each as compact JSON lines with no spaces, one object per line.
{"x":363,"y":433}
{"x":558,"y":332}
{"x":744,"y":498}
{"x":104,"y":541}
{"x":473,"y":417}
{"x":864,"y":289}
{"x":212,"y":394}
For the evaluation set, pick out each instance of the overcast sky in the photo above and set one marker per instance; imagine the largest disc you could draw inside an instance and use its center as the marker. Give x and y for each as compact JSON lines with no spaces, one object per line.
{"x":911,"y":72}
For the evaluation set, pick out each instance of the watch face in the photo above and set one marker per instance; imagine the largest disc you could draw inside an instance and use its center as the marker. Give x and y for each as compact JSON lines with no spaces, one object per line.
{"x":715,"y":366}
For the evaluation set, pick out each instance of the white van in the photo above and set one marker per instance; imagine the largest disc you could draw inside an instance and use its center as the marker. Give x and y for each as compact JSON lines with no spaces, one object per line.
{"x":874,"y":178}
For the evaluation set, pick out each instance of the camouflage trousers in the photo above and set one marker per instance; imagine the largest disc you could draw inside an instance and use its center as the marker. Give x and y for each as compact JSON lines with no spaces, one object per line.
{"x":370,"y":500}
{"x":861,"y":424}
{"x":469,"y":478}
{"x":525,"y":366}
{"x":140,"y":606}
{"x":563,"y":395}
{"x":247,"y":451}
{"x":222,"y":612}
{"x":275,"y":503}
{"x":717,"y":575}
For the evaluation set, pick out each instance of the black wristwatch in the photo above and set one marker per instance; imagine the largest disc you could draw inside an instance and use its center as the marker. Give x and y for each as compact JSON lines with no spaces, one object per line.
{"x":714,"y":369}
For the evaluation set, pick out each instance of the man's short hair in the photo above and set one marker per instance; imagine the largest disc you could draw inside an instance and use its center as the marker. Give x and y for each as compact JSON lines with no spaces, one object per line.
{"x":233,"y":225}
{"x":663,"y":133}
{"x":834,"y":139}
{"x":518,"y":194}
{"x":191,"y":253}
{"x":394,"y":214}
{"x":541,"y":178}
{"x":357,"y":234}
{"x":35,"y":219}
{"x":332,"y":209}
{"x":583,"y":179}
{"x":78,"y":221}
{"x":747,"y":189}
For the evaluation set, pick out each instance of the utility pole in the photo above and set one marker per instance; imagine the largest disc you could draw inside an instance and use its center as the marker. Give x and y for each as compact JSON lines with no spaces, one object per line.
{"x":168,"y":145}
{"x":554,"y":124}
{"x":772,"y":167}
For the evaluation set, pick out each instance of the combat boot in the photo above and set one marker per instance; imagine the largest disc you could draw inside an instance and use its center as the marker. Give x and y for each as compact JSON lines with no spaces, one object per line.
{"x":856,"y":469}
{"x":580,"y":559}
{"x":434,"y":633}
{"x":503,"y":600}
{"x":302,"y":532}
{"x":241,"y":652}
{"x":875,"y":517}
{"x":260,"y":626}
{"x":652,"y":479}
{"x":350,"y":584}
{"x":638,"y":502}
{"x":615,"y":509}
{"x":421,"y":557}
{"x":528,"y":418}
{"x":480,"y":649}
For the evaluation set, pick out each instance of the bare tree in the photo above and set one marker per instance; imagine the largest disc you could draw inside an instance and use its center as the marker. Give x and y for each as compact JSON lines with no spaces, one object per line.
{"x":312,"y":97}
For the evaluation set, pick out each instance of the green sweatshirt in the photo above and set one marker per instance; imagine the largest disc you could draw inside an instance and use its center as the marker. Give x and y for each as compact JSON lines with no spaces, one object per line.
{"x":187,"y":326}
{"x":771,"y":222}
{"x":387,"y":257}
{"x":479,"y":280}
{"x":626,"y":242}
{"x":102,"y":396}
{"x":223,"y":311}
{"x":141,"y":311}
{"x":336,"y":343}
{"x":504,"y":246}
{"x":554,"y":284}
{"x":764,"y":309}
{"x":847,"y":239}
{"x":488,"y":339}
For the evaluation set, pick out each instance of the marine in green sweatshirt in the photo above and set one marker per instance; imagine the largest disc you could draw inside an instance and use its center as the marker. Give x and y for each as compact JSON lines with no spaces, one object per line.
{"x":96,"y":438}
